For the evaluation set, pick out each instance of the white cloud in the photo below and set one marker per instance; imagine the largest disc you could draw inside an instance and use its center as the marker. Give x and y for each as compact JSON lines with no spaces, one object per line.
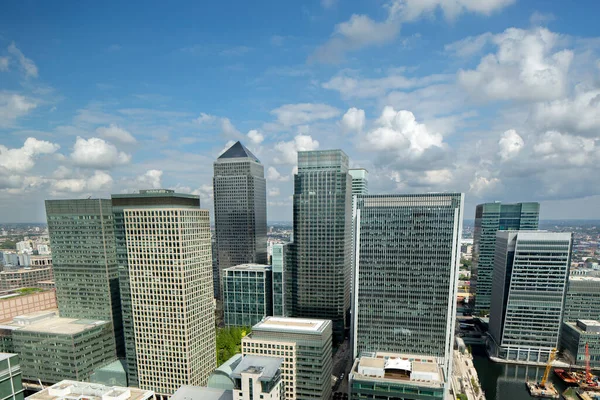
{"x":28,"y":66}
{"x":480,"y":185}
{"x":4,"y":62}
{"x":273,"y":192}
{"x":99,"y":181}
{"x":12,"y":107}
{"x":414,"y":9}
{"x":304,"y":113}
{"x":353,"y":120}
{"x":560,"y":148}
{"x":150,"y":179}
{"x":227,"y":146}
{"x":255,"y":136}
{"x":114,"y":131}
{"x":274,"y":175}
{"x":511,"y":144}
{"x":97,"y":153}
{"x":288,"y":151}
{"x":539,"y":18}
{"x":228,"y":129}
{"x":469,"y":46}
{"x":205,"y":118}
{"x":23,"y":159}
{"x":526,"y":67}
{"x":437,"y":177}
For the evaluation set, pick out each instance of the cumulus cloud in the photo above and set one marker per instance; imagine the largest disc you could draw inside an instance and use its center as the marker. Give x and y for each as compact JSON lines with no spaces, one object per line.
{"x":150,"y":179}
{"x":274,"y":175}
{"x":23,"y":159}
{"x":12,"y":107}
{"x":115,"y":132}
{"x":527,"y":66}
{"x":304,"y":113}
{"x":353,"y":120}
{"x":205,"y":118}
{"x":510,"y":144}
{"x":287,"y":152}
{"x":566,"y":149}
{"x":414,"y":9}
{"x":481,"y":186}
{"x":27,"y":65}
{"x":255,"y":136}
{"x":469,"y":46}
{"x":97,"y":153}
{"x":99,"y":181}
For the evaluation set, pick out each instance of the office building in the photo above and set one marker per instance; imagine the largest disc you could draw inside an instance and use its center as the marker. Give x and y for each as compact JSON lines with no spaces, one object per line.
{"x":306,"y":348}
{"x":360,"y":183}
{"x":82,"y":237}
{"x":530,"y":282}
{"x":583,"y":298}
{"x":144,"y":199}
{"x":52,"y":348}
{"x":221,"y":377}
{"x":574,"y":338}
{"x":41,"y":260}
{"x":407,"y":251}
{"x":321,"y":269}
{"x":396,"y":376}
{"x":281,"y":278}
{"x":169,"y":287}
{"x":240,"y":199}
{"x":11,"y":386}
{"x":70,"y":389}
{"x":23,"y":302}
{"x":247,"y":295}
{"x":490,"y":218}
{"x":24,"y":277}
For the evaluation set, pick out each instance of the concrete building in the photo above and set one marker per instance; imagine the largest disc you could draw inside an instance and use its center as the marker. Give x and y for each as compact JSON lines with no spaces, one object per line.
{"x":583,"y":298}
{"x":82,"y":236}
{"x":247,"y":294}
{"x":282,"y":281}
{"x":41,"y":261}
{"x":490,"y":218}
{"x":306,"y":348}
{"x":396,"y":376}
{"x":169,"y":289}
{"x":360,"y":182}
{"x":16,"y":303}
{"x":10,"y":258}
{"x":240,"y":201}
{"x":70,"y":389}
{"x":407,"y":254}
{"x":11,"y":386}
{"x":24,"y":277}
{"x":321,"y":268}
{"x":575,"y":336}
{"x":530,"y":282}
{"x":53,"y":348}
{"x":221,"y":377}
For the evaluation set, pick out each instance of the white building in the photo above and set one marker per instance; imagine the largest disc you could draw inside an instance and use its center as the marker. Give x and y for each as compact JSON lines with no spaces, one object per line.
{"x":90,"y":391}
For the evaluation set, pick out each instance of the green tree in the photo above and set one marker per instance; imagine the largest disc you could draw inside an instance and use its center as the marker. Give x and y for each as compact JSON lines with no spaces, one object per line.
{"x":462,"y":396}
{"x":229,"y":342}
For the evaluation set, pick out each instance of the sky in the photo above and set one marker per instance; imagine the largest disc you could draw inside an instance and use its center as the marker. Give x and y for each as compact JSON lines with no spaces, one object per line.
{"x":499,"y":99}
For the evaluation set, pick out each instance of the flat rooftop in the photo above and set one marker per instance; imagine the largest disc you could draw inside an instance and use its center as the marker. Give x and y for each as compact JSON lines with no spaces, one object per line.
{"x":584,"y":278}
{"x":284,"y":324}
{"x":249,"y":267}
{"x":4,"y":356}
{"x":266,"y":366}
{"x":39,"y":322}
{"x":196,"y":393}
{"x":90,"y":391}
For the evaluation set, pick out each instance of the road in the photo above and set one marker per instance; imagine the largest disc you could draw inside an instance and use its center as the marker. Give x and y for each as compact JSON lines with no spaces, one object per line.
{"x":342,"y":362}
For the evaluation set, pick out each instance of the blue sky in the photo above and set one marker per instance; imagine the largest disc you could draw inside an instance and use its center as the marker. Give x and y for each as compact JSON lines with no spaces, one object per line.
{"x":499,"y":99}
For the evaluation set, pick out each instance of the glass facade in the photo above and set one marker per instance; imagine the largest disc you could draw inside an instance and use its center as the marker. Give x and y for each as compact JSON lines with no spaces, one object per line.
{"x":82,"y":237}
{"x":247,"y":296}
{"x":529,"y":288}
{"x":490,"y":218}
{"x":574,"y":337}
{"x":583,"y":299}
{"x":407,"y":248}
{"x":11,"y":386}
{"x":280,"y":264}
{"x":360,"y":183}
{"x":240,"y":201}
{"x":322,"y":211}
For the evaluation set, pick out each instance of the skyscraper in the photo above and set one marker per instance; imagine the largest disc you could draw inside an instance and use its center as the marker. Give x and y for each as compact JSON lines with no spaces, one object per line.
{"x":583,"y":298}
{"x":281,"y":279}
{"x":240,"y":201}
{"x":248,"y":294}
{"x":322,"y":248}
{"x":169,"y":288}
{"x":82,"y":236}
{"x":530,"y":281}
{"x":407,"y":250}
{"x":360,"y":183}
{"x":490,"y":218}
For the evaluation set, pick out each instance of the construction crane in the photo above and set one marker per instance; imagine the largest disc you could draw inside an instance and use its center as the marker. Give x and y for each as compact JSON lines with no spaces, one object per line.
{"x":548,"y":366}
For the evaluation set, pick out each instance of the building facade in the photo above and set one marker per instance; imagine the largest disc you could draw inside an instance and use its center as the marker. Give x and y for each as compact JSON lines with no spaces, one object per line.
{"x":24,"y":277}
{"x":530,"y":282}
{"x":247,"y":296}
{"x":360,"y":181}
{"x":322,"y":210}
{"x":281,"y":278}
{"x":490,"y":218}
{"x":306,"y":348}
{"x":11,"y":386}
{"x":257,"y":377}
{"x":407,"y":251}
{"x":574,"y":338}
{"x":240,"y":201}
{"x":170,"y":286}
{"x":82,"y":237}
{"x":21,"y":304}
{"x":583,"y":298}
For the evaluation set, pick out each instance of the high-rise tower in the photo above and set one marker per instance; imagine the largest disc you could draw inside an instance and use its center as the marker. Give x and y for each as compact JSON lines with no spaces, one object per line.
{"x":240,"y":202}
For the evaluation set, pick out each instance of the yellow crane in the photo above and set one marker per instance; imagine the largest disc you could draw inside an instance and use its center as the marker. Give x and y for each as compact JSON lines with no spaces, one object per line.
{"x":548,"y":366}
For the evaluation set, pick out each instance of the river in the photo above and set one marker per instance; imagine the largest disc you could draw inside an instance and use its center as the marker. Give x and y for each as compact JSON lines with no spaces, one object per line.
{"x":507,"y":381}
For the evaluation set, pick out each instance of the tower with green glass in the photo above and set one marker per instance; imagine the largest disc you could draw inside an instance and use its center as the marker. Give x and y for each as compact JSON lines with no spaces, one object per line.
{"x":490,"y":218}
{"x":82,"y":236}
{"x":11,"y":386}
{"x":322,"y":250}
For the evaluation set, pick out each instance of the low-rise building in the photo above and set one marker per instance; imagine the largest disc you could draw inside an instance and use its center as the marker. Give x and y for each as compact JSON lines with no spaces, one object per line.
{"x":583,"y":298}
{"x":24,"y":277}
{"x":247,"y":294}
{"x":396,"y":376}
{"x":574,"y":338}
{"x":21,"y":302}
{"x":11,"y":386}
{"x":42,"y":260}
{"x":68,"y":389}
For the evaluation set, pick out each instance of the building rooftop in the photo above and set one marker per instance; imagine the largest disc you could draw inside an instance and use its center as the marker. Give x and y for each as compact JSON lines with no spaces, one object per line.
{"x":90,"y":391}
{"x":4,"y":356}
{"x":249,"y":267}
{"x":238,"y":150}
{"x":266,"y":366}
{"x":196,"y":393}
{"x":298,"y":325}
{"x":154,"y":193}
{"x":584,"y":278}
{"x":49,"y":322}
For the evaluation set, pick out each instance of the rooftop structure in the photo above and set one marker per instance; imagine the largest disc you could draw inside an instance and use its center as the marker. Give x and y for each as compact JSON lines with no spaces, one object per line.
{"x":269,"y":367}
{"x":187,"y":392}
{"x":292,"y":325}
{"x":68,"y":389}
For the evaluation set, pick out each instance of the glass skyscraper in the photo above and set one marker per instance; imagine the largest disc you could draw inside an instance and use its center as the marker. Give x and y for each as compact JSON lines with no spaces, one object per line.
{"x":247,"y":296}
{"x":240,"y":202}
{"x":82,"y":236}
{"x":530,"y":282}
{"x":360,"y":183}
{"x":490,"y":218}
{"x":321,"y":269}
{"x":281,"y":273}
{"x":407,"y":249}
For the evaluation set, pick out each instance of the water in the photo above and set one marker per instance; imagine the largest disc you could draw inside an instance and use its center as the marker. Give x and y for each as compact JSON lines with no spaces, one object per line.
{"x":507,"y":381}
